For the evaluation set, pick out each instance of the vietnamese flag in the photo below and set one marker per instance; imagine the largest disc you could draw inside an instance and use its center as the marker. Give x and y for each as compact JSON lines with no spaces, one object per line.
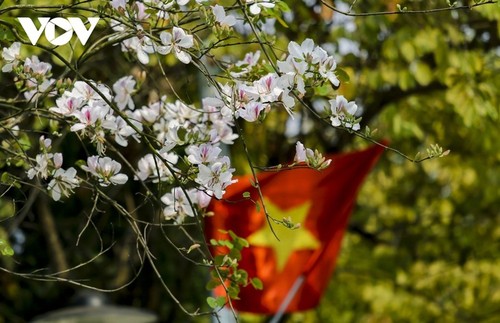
{"x":320,"y":201}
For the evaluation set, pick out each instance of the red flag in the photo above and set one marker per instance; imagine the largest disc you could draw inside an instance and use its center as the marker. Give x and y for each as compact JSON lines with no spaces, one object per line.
{"x":320,"y":201}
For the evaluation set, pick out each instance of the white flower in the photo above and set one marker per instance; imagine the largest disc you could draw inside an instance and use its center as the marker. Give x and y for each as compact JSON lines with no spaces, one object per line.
{"x":89,"y":116}
{"x":41,"y":168}
{"x":45,"y":143}
{"x":88,"y":94}
{"x":121,"y":129}
{"x":178,"y":41}
{"x":35,"y":66}
{"x":216,"y":176}
{"x":268,"y":88}
{"x":327,"y":65}
{"x":106,"y":170}
{"x":251,"y":111}
{"x":255,"y":5}
{"x":119,"y":4}
{"x":303,"y":51}
{"x":11,"y":56}
{"x":204,"y":153}
{"x":58,"y":160}
{"x":177,"y":205}
{"x":249,"y":61}
{"x":141,"y":47}
{"x":296,"y":70}
{"x":151,"y":166}
{"x":63,"y":183}
{"x":67,"y":104}
{"x":300,"y":153}
{"x":221,"y":18}
{"x":343,"y":113}
{"x":123,"y":88}
{"x":313,"y":159}
{"x":222,"y":132}
{"x":35,"y":88}
{"x":203,"y":198}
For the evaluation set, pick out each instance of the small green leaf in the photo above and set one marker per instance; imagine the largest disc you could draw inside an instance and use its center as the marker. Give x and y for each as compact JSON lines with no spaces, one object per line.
{"x":5,"y":178}
{"x":5,"y":248}
{"x":221,"y":301}
{"x":246,"y":195}
{"x":342,"y":75}
{"x":216,"y":302}
{"x":213,"y":283}
{"x":257,"y":283}
{"x":212,"y":302}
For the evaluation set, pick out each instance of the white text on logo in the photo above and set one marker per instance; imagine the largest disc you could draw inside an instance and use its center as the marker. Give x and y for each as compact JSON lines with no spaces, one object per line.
{"x":49,"y":25}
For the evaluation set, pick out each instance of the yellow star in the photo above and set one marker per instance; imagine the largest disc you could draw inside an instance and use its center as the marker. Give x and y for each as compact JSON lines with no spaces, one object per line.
{"x":290,"y":240}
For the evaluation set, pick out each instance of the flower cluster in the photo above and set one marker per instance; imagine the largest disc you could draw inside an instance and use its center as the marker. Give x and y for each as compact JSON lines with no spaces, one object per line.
{"x":313,"y":159}
{"x":214,"y":172}
{"x":342,"y":113}
{"x":143,"y":44}
{"x":188,"y":138}
{"x":49,"y":165}
{"x":87,"y":106}
{"x":33,"y":74}
{"x":181,"y":203}
{"x":152,"y":167}
{"x":307,"y":65}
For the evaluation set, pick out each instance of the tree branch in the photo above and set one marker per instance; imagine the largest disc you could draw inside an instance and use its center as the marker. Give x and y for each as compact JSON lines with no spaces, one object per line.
{"x":402,"y":12}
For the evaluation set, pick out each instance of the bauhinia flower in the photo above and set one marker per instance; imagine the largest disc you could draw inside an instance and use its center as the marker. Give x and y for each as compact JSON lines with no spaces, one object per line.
{"x":313,"y":159}
{"x":123,"y":88}
{"x":257,"y":5}
{"x":216,"y":177}
{"x":85,"y":91}
{"x":178,"y":41}
{"x":11,"y":56}
{"x":63,"y":183}
{"x":153,"y":167}
{"x":67,"y":104}
{"x":178,"y":205}
{"x":251,"y":111}
{"x":41,"y":168}
{"x":342,"y":113}
{"x":106,"y":170}
{"x":181,"y":203}
{"x":204,"y":153}
{"x":89,"y":116}
{"x":221,"y":18}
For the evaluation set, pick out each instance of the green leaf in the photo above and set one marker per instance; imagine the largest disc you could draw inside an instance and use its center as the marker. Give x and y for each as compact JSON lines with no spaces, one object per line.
{"x":219,"y":260}
{"x":246,"y":195}
{"x":342,"y":75}
{"x":212,"y":302}
{"x":233,"y":291}
{"x":257,"y":283}
{"x":5,"y":248}
{"x":213,"y":283}
{"x":5,"y":178}
{"x":221,"y":301}
{"x":408,"y":51}
{"x":281,"y":21}
{"x":423,"y":73}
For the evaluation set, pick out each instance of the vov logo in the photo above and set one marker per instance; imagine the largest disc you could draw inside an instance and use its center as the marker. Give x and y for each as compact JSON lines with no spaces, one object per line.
{"x":49,"y":25}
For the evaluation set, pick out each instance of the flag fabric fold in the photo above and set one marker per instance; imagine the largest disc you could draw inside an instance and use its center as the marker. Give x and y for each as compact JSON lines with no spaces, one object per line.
{"x":320,"y":201}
